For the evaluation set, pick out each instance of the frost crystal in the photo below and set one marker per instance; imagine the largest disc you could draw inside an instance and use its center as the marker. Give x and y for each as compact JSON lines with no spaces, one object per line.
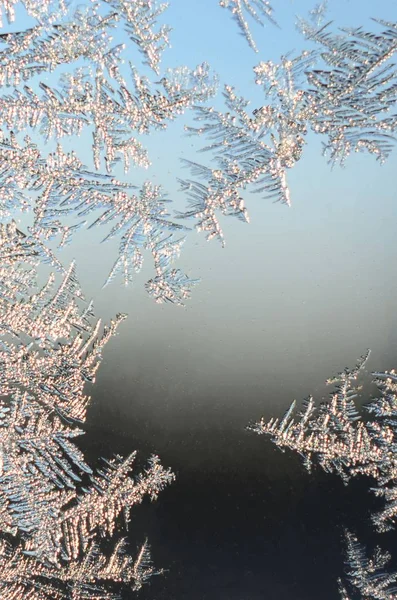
{"x":354,"y":95}
{"x":66,"y":77}
{"x":114,"y":111}
{"x":141,"y":221}
{"x":140,"y":24}
{"x":42,"y":49}
{"x":333,"y":435}
{"x":54,"y":508}
{"x":338,"y":438}
{"x":317,"y":14}
{"x":42,"y":10}
{"x":255,"y":9}
{"x":367,"y":577}
{"x":255,"y":148}
{"x":23,"y":576}
{"x":345,"y":91}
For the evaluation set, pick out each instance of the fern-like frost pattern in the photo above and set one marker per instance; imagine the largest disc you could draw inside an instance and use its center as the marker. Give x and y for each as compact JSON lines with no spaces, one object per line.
{"x":337,"y":438}
{"x":55,"y":510}
{"x":344,"y":91}
{"x":66,"y":78}
{"x":256,"y":9}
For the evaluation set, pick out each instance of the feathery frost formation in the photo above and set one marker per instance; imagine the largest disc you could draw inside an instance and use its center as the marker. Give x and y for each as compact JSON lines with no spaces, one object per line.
{"x":368,"y":578}
{"x":338,"y":439}
{"x":58,"y":517}
{"x":72,"y":80}
{"x":66,"y":77}
{"x":346,"y":90}
{"x":256,"y":9}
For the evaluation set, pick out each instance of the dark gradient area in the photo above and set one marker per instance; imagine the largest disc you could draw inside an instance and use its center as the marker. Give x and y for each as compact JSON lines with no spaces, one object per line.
{"x":256,"y":527}
{"x":295,"y":297}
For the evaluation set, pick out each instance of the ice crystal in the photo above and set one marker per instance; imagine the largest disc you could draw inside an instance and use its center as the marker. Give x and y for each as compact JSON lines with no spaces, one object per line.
{"x":340,"y":440}
{"x":367,"y":577}
{"x":63,"y":187}
{"x":41,"y":10}
{"x":38,"y":50}
{"x":333,"y":435}
{"x":171,"y":286}
{"x":384,"y":409}
{"x":354,"y":94}
{"x":317,"y":14}
{"x":114,"y":111}
{"x":53,"y":506}
{"x":52,"y":369}
{"x":140,"y":24}
{"x":255,"y":148}
{"x":19,"y":255}
{"x":92,"y":95}
{"x":255,"y":9}
{"x":141,"y":222}
{"x":345,"y":91}
{"x":93,"y":578}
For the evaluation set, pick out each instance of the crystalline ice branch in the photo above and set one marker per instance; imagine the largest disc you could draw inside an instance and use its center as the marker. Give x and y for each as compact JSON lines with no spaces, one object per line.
{"x":384,"y":409}
{"x":317,"y":14}
{"x":112,"y":107}
{"x":367,"y":578}
{"x":255,"y":9}
{"x":18,"y":251}
{"x":140,"y":21}
{"x":43,"y":48}
{"x":55,"y":315}
{"x":42,"y":10}
{"x":354,"y":95}
{"x":50,"y":499}
{"x":339,"y":440}
{"x":333,"y":435}
{"x":112,"y":492}
{"x":250,"y":149}
{"x":142,"y":222}
{"x":63,"y":188}
{"x":345,"y":91}
{"x":92,"y":94}
{"x":93,"y":578}
{"x":171,"y":286}
{"x":95,"y":100}
{"x":54,"y":509}
{"x":55,"y":375}
{"x":60,"y":186}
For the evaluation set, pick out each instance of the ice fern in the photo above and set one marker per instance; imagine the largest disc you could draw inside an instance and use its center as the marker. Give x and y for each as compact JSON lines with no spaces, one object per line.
{"x":337,"y":438}
{"x":82,"y":101}
{"x":56,"y":512}
{"x":367,"y":578}
{"x":66,"y":77}
{"x":140,"y":23}
{"x":23,"y":576}
{"x":344,"y":91}
{"x":43,"y":10}
{"x":354,"y":93}
{"x":255,"y":148}
{"x":332,"y":435}
{"x":64,"y":189}
{"x":256,"y":9}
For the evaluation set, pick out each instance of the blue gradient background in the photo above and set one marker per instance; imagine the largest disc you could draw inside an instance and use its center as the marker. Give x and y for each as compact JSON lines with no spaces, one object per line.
{"x":293,"y":298}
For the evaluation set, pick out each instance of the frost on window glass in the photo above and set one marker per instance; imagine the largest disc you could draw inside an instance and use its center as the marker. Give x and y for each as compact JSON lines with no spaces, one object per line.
{"x":82,"y":87}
